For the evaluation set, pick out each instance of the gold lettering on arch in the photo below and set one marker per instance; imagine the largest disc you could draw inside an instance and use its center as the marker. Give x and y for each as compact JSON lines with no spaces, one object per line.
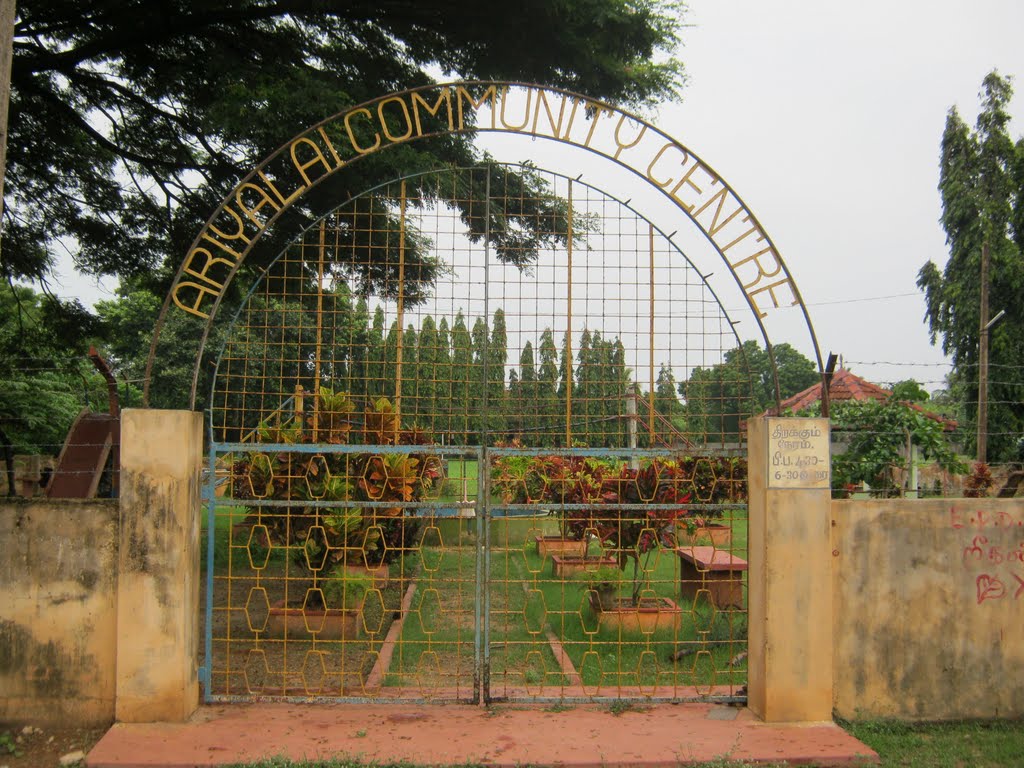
{"x":285,"y":201}
{"x":352,"y":135}
{"x":417,"y":100}
{"x":619,"y":144}
{"x":263,"y":199}
{"x":686,"y":179}
{"x":719,"y":196}
{"x":491,"y":92}
{"x":238,"y":235}
{"x":657,"y":157}
{"x":771,"y":289}
{"x":209,"y":261}
{"x":384,"y":122}
{"x":317,"y":158}
{"x":526,"y":111}
{"x":330,"y":147}
{"x":193,"y":307}
{"x":397,"y":118}
{"x":555,"y":127}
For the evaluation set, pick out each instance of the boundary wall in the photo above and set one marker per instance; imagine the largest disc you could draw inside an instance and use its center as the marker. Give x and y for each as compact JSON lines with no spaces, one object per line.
{"x":907,"y":609}
{"x":928,"y":621}
{"x":99,"y":600}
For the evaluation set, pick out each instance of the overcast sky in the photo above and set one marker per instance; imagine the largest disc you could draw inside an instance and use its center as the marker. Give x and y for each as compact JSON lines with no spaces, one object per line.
{"x":826,"y":117}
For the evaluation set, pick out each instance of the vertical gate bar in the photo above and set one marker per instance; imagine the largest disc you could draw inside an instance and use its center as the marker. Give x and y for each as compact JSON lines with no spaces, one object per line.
{"x":206,"y":673}
{"x":319,"y":328}
{"x":484,"y":403}
{"x":483,"y":473}
{"x":650,"y":399}
{"x":481,"y":634}
{"x":568,"y":330}
{"x":401,"y":310}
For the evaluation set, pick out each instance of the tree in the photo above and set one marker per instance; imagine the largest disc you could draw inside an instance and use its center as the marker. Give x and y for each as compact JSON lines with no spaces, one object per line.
{"x":129,"y":121}
{"x":462,"y":379}
{"x":443,"y":385}
{"x":43,"y":387}
{"x":880,"y":441}
{"x":497,"y":356}
{"x":427,"y":375}
{"x":548,"y":385}
{"x":665,"y":401}
{"x":720,"y":397}
{"x":981,"y":181}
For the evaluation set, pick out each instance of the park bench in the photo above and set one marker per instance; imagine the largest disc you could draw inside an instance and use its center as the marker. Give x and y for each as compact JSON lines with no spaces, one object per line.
{"x":718,"y":571}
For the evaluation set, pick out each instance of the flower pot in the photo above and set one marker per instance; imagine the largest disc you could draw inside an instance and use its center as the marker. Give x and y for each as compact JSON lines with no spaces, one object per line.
{"x":564,"y":566}
{"x":299,"y":624}
{"x":557,"y":545}
{"x":649,"y":614}
{"x":380,"y":573}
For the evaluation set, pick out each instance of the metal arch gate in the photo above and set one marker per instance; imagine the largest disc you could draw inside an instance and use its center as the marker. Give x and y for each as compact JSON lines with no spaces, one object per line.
{"x":360,"y":546}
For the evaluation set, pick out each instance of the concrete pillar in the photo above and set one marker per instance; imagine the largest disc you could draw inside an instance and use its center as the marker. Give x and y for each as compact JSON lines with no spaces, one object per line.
{"x":158,"y":575}
{"x":790,"y":570}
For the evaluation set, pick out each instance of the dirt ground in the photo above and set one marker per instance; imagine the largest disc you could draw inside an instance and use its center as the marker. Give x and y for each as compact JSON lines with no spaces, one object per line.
{"x":27,"y":746}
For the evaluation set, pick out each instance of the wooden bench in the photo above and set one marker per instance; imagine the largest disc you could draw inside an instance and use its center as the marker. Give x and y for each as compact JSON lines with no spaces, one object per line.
{"x":716,"y":570}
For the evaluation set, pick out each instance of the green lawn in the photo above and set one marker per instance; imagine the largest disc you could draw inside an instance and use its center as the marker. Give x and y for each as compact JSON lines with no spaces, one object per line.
{"x":527,"y":604}
{"x":979,"y":744}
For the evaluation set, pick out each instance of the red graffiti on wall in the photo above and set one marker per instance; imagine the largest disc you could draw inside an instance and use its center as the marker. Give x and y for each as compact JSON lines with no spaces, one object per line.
{"x":979,"y":551}
{"x":989,"y":588}
{"x":979,"y":518}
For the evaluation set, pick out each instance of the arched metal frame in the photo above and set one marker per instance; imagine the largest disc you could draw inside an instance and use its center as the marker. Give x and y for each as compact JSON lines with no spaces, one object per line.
{"x":273,"y":195}
{"x":727,"y":223}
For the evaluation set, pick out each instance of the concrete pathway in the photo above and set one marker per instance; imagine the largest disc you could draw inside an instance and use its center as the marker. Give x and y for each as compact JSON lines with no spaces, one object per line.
{"x":586,"y":736}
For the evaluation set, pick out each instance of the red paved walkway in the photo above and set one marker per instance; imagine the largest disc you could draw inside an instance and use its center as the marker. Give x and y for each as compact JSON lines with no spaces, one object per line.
{"x":582,"y":737}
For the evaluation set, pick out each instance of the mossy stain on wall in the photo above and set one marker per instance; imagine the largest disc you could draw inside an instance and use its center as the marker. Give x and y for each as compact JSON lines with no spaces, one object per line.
{"x":40,"y":665}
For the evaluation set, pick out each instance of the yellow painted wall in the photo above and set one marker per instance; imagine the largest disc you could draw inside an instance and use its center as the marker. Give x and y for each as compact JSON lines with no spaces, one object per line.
{"x":158,"y":577}
{"x":58,"y":610}
{"x":928,"y":608}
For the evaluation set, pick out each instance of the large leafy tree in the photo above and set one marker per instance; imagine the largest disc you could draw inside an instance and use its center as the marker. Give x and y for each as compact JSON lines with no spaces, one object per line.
{"x":981,"y":180}
{"x":130,"y":119}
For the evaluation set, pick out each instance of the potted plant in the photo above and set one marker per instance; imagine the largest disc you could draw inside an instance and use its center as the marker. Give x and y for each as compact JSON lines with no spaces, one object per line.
{"x":346,"y":533}
{"x":569,"y":484}
{"x":638,"y":516}
{"x":715,"y":480}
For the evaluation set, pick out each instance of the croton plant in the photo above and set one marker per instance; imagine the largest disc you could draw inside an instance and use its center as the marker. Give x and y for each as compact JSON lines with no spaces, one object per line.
{"x":322,"y":537}
{"x":631,"y":511}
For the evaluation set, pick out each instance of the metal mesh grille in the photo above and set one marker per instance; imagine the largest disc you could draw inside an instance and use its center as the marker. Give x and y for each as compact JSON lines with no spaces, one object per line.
{"x":436,"y":387}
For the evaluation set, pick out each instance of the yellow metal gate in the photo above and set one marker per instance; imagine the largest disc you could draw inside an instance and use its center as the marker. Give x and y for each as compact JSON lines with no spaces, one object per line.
{"x":454,"y":463}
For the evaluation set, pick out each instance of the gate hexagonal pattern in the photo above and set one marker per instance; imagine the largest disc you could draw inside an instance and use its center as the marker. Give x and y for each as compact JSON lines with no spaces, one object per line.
{"x":453,"y":463}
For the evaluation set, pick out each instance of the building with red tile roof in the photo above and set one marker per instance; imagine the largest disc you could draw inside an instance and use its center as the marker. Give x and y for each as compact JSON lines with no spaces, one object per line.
{"x":848,"y":386}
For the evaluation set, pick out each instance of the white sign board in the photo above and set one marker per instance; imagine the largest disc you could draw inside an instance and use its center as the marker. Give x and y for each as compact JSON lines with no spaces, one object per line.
{"x":798,"y":453}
